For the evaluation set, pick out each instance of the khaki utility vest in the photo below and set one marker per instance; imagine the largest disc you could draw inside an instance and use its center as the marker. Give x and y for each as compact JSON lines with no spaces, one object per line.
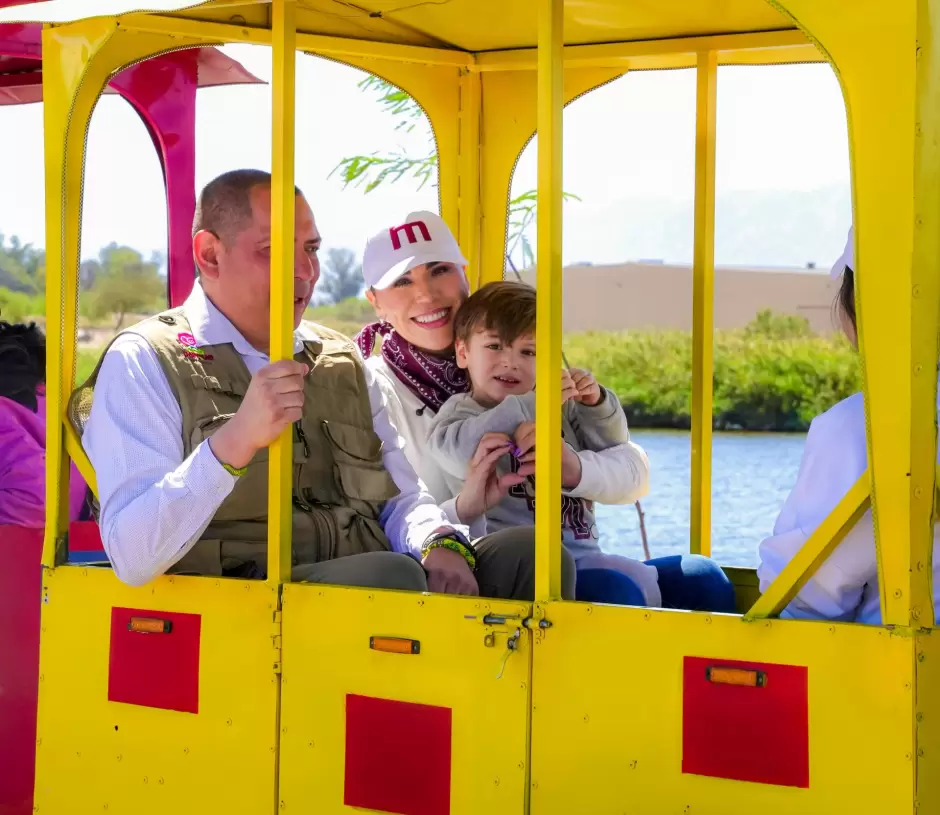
{"x":339,"y":480}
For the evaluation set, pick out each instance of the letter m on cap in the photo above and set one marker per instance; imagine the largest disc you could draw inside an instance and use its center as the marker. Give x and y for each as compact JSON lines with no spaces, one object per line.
{"x":409,"y":230}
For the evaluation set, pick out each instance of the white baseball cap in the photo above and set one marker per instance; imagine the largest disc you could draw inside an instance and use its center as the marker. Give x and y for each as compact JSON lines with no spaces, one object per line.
{"x":846,"y":259}
{"x":423,"y":237}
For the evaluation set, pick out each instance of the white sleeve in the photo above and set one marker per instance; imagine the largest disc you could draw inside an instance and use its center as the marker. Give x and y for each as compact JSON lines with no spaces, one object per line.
{"x":617,"y":475}
{"x":833,"y":460}
{"x":154,"y":504}
{"x":412,"y":516}
{"x":477,"y":525}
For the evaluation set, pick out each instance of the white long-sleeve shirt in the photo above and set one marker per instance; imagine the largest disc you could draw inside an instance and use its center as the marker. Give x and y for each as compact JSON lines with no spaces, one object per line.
{"x":845,"y":587}
{"x":155,"y":504}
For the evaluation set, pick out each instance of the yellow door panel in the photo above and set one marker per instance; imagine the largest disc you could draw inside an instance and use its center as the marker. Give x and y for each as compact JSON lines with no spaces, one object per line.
{"x":391,"y":701}
{"x":645,"y":711}
{"x":214,"y":751}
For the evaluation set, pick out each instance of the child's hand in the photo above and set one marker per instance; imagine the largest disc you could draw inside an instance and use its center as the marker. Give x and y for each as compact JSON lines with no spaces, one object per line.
{"x":569,"y":389}
{"x":524,"y":437}
{"x":589,"y":392}
{"x":525,"y":452}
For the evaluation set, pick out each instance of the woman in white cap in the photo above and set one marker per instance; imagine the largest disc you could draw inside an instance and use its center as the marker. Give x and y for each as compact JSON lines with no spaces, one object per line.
{"x":845,"y":586}
{"x":415,"y":279}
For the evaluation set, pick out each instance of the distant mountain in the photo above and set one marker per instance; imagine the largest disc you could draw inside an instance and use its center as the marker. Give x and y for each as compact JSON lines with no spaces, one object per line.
{"x":788,"y":229}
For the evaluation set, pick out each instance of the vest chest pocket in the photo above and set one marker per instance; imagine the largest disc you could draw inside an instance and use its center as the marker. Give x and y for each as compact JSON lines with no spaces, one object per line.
{"x":357,"y":463}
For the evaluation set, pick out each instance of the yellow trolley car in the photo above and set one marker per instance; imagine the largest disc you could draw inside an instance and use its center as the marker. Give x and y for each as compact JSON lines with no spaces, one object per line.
{"x":267,"y":698}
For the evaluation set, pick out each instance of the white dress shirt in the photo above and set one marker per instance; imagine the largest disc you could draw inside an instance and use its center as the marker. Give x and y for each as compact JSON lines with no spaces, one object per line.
{"x":155,"y":504}
{"x":845,"y":587}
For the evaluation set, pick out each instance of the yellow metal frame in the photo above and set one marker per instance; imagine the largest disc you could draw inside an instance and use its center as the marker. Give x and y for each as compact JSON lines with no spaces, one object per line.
{"x":703,"y":301}
{"x":548,"y":337}
{"x":893,"y":105}
{"x":284,"y":57}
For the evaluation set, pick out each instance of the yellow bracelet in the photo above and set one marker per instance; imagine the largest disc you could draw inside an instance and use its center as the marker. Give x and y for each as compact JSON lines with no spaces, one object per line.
{"x":236,"y":471}
{"x":454,"y":546}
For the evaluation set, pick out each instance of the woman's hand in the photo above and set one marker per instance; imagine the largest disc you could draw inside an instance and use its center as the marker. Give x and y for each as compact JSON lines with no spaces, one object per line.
{"x":483,"y":488}
{"x":525,"y":450}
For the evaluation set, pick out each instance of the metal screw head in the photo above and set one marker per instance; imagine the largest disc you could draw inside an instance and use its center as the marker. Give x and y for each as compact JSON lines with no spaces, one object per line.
{"x":489,"y":640}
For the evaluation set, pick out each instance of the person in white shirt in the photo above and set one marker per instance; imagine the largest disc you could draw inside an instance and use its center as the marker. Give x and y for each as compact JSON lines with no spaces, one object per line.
{"x":180,"y":420}
{"x":416,"y":282}
{"x":845,"y":586}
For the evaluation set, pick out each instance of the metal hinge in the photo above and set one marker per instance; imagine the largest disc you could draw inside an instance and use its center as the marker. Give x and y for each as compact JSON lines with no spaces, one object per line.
{"x":276,"y":640}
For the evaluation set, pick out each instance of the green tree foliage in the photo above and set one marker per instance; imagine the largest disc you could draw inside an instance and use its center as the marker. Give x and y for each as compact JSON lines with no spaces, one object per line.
{"x":340,"y":277}
{"x":771,"y":326}
{"x":761,"y":381}
{"x":22,"y":280}
{"x":124,"y":283}
{"x":370,"y":172}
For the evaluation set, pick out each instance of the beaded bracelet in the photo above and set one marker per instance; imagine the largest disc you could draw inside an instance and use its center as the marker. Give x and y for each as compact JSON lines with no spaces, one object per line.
{"x":454,"y":546}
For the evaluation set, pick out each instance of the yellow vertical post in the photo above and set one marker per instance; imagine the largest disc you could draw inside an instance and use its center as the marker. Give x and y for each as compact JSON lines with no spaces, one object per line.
{"x":70,"y":88}
{"x":54,"y":124}
{"x":548,"y":328}
{"x":703,"y":297}
{"x":925,"y":319}
{"x":283,"y":44}
{"x":468,"y":172}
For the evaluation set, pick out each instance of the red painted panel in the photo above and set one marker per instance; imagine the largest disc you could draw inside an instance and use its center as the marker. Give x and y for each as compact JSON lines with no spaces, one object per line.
{"x":20,"y":604}
{"x":743,"y":733}
{"x":84,"y":536}
{"x":155,"y":670}
{"x":397,"y":756}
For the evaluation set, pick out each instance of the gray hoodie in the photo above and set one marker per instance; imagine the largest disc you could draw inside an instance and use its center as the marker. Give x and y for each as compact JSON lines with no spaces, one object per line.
{"x":622,"y":478}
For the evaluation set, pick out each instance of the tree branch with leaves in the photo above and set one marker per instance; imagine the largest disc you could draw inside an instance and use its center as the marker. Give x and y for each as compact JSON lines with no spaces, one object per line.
{"x":371,"y":171}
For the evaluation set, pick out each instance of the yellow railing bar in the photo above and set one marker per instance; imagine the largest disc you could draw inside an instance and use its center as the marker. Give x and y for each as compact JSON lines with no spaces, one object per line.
{"x":218,"y":33}
{"x":282,"y":274}
{"x":763,"y":44}
{"x":548,"y":327}
{"x":822,"y":543}
{"x":703,"y":297}
{"x":208,"y":32}
{"x":73,"y":446}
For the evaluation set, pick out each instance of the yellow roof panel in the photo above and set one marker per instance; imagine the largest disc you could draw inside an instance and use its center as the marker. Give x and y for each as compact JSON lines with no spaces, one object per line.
{"x":471,"y":25}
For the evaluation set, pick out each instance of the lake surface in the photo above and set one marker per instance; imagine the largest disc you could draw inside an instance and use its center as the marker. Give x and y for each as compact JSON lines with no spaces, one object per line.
{"x":752,"y":474}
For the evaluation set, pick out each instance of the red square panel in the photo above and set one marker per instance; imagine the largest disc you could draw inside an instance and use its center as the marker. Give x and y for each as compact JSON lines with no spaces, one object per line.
{"x":84,"y":536}
{"x":746,"y":733}
{"x":397,"y":756}
{"x":155,"y":670}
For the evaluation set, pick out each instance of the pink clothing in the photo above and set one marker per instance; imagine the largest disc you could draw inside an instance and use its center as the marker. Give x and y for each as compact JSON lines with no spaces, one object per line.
{"x":22,"y":467}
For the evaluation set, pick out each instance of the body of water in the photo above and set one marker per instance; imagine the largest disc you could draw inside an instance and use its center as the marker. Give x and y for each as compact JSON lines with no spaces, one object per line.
{"x":752,"y":474}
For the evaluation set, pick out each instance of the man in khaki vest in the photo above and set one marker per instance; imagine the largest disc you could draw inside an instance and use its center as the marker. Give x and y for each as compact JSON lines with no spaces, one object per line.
{"x":178,"y":416}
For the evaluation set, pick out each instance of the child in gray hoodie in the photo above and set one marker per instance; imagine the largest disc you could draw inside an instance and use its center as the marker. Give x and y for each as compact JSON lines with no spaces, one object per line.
{"x":495,"y":342}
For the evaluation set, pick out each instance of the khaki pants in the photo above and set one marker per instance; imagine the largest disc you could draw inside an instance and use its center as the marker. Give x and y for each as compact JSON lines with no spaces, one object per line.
{"x":505,"y":568}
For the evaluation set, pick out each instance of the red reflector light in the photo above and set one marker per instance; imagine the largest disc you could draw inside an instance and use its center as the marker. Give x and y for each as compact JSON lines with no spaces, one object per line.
{"x":149,"y":625}
{"x":395,"y":645}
